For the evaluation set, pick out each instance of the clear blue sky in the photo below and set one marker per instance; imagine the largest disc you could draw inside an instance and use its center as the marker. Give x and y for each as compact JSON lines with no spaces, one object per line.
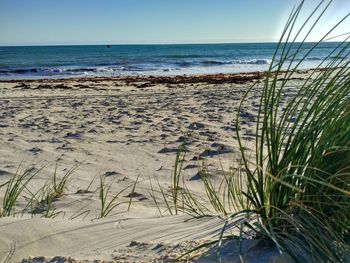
{"x":149,"y":21}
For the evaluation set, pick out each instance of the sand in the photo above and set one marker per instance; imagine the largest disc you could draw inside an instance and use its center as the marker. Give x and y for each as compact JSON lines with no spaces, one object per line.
{"x":126,"y":130}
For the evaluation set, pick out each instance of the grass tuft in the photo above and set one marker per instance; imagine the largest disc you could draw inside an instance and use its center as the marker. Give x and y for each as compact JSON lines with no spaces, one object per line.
{"x":298,"y":183}
{"x":108,"y":201}
{"x":59,"y":184}
{"x":14,"y":188}
{"x":293,"y":188}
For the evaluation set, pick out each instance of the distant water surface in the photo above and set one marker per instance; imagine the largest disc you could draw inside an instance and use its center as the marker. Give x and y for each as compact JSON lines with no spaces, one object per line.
{"x":125,"y":60}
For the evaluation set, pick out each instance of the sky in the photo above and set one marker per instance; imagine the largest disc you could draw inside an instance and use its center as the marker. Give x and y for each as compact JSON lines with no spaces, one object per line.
{"x":55,"y":22}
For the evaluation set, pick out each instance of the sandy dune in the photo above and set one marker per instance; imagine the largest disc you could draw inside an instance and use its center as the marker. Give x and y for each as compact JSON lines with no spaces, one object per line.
{"x":107,"y":239}
{"x":125,"y":130}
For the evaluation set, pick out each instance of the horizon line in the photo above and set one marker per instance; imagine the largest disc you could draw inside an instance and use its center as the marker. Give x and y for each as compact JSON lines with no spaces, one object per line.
{"x":155,"y":44}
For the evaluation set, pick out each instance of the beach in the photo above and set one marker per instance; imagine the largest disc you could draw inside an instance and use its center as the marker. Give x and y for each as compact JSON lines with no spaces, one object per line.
{"x":174,"y":131}
{"x":127,"y":131}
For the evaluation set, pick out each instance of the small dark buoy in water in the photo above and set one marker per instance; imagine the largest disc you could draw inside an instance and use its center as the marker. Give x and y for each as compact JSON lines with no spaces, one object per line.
{"x":108,"y":46}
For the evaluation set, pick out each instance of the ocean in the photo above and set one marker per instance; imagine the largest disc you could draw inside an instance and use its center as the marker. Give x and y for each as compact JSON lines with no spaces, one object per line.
{"x":30,"y":62}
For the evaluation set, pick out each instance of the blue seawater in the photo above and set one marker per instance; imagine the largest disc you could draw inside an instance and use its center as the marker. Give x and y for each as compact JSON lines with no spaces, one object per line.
{"x":28,"y":62}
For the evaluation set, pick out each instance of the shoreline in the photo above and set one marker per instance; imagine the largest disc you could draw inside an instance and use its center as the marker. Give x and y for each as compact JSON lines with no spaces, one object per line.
{"x":217,"y":78}
{"x":173,"y":79}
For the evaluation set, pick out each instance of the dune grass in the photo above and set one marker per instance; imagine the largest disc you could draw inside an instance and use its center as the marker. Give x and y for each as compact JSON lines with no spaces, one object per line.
{"x":294,"y":187}
{"x":299,"y":183}
{"x":39,"y":202}
{"x":14,"y":188}
{"x":42,"y":202}
{"x":109,"y":201}
{"x":59,"y":184}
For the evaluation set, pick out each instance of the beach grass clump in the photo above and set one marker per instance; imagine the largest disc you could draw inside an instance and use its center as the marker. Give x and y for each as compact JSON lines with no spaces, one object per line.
{"x":59,"y":184}
{"x":42,"y":202}
{"x":298,"y":181}
{"x":109,"y":201}
{"x":180,"y":199}
{"x":14,"y":187}
{"x":294,"y":186}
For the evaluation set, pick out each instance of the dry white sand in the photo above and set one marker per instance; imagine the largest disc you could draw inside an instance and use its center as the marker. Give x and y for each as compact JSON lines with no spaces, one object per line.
{"x":123,"y":130}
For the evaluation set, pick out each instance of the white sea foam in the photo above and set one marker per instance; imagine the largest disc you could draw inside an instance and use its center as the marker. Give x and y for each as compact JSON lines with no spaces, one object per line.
{"x":236,"y":61}
{"x":131,"y":60}
{"x":253,"y":61}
